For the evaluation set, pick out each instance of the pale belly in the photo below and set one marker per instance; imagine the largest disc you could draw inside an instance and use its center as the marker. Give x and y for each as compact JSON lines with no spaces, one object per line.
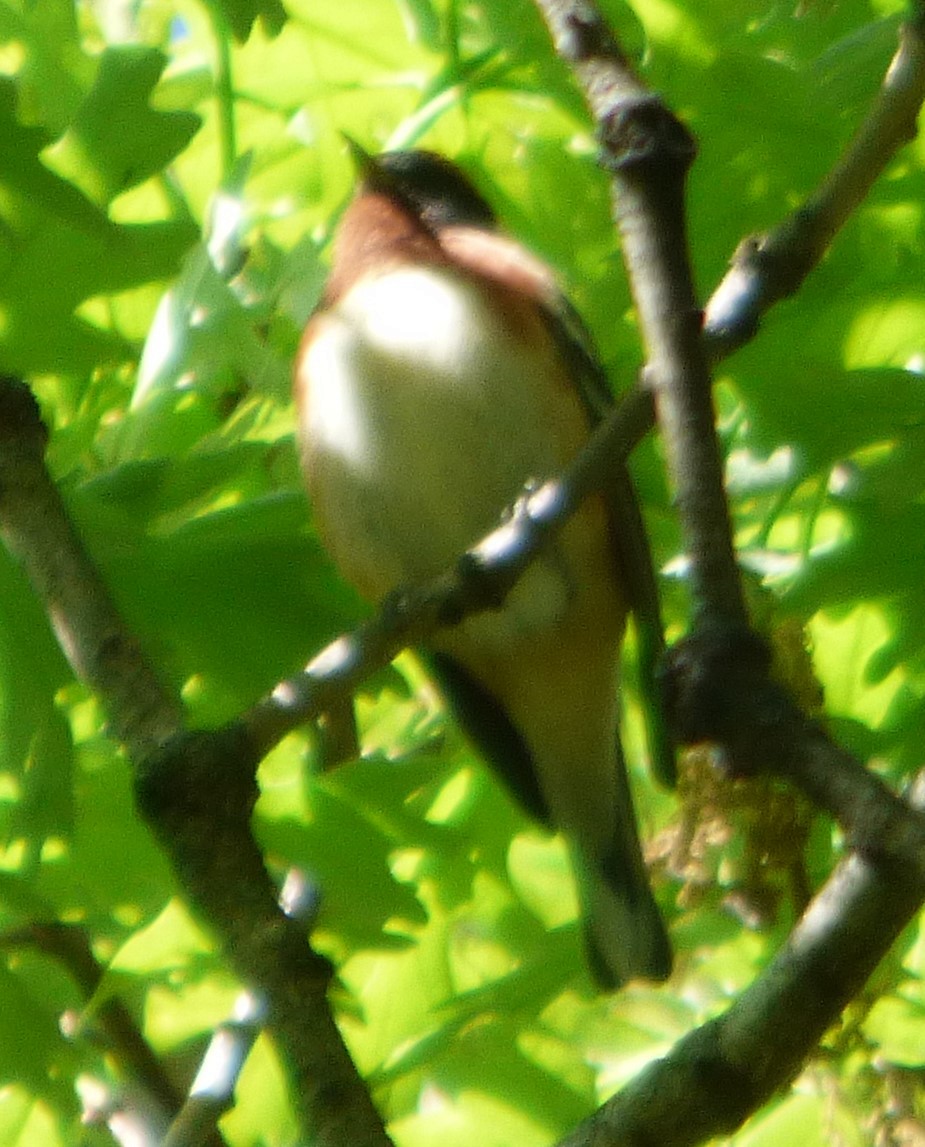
{"x":424,"y":427}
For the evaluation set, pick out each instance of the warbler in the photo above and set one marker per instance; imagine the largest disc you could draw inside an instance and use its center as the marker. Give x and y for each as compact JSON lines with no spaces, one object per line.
{"x":443,"y":371}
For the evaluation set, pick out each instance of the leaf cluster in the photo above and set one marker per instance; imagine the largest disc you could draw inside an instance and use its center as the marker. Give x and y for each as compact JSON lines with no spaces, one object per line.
{"x":169,"y":177}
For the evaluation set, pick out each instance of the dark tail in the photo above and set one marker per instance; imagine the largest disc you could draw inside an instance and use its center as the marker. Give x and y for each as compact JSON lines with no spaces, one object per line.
{"x":624,"y":931}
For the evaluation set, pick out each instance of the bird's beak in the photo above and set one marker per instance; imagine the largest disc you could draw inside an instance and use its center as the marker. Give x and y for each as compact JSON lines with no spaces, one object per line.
{"x":367,"y":166}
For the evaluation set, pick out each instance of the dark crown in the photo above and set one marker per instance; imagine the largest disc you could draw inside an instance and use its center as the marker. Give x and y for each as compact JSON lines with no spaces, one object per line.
{"x":435,"y":189}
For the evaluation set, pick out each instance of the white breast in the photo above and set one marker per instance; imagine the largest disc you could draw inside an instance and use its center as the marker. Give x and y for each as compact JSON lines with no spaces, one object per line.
{"x":427,"y":416}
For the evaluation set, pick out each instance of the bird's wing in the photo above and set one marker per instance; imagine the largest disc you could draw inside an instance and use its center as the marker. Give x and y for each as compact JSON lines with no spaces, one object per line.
{"x":628,"y":535}
{"x":484,"y":720}
{"x":512,"y":265}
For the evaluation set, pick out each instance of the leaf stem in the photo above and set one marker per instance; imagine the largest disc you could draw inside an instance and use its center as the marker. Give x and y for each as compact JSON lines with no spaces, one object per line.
{"x":224,"y":87}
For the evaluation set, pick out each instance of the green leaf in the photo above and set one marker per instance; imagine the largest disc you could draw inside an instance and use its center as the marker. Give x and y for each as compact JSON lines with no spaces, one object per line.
{"x":117,"y":140}
{"x":895,"y":1025}
{"x":47,"y":225}
{"x":33,"y":1052}
{"x":241,"y":15}
{"x":32,"y":670}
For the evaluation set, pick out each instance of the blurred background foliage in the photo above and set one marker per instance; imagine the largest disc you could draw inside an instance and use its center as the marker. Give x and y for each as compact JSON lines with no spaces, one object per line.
{"x":170,"y":173}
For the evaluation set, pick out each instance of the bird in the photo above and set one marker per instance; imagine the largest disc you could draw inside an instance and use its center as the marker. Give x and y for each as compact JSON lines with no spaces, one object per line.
{"x":442,"y":372}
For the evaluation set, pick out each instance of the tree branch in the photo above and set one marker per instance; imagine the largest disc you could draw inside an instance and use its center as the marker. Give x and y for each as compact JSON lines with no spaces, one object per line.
{"x":39,"y":534}
{"x":198,"y":789}
{"x":195,"y":789}
{"x":717,"y":1076}
{"x":769,"y":267}
{"x":718,"y":684}
{"x":648,"y":152}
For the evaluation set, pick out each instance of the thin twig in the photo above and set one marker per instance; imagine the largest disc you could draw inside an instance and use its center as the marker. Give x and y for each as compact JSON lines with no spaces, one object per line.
{"x":769,"y":267}
{"x":481,"y":580}
{"x":212,"y":1093}
{"x":122,"y":1038}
